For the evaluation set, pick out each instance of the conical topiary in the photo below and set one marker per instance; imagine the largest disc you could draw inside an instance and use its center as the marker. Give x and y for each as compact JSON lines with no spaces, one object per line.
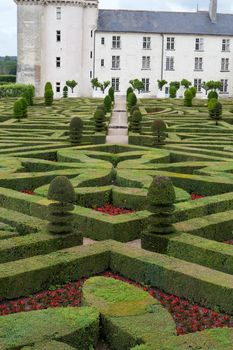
{"x":18,"y":110}
{"x":132,"y":100}
{"x":61,"y":219}
{"x":65,"y":91}
{"x":76,"y":130}
{"x":108,"y":103}
{"x":135,"y":122}
{"x":99,"y":118}
{"x":111,"y":93}
{"x":102,"y":108}
{"x":158,"y":129}
{"x":48,"y":96}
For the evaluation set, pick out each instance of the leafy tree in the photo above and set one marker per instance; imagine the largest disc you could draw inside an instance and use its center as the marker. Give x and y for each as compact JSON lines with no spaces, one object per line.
{"x":103,"y":86}
{"x":186,"y":83}
{"x":71,"y":84}
{"x":108,"y":103}
{"x":65,"y":91}
{"x":161,"y":84}
{"x":215,"y":109}
{"x":176,"y":84}
{"x":137,"y":85}
{"x":205,"y":86}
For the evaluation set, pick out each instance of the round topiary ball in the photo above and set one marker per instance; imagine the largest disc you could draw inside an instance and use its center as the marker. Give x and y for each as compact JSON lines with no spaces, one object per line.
{"x":158,"y":126}
{"x":161,"y":192}
{"x":61,"y":190}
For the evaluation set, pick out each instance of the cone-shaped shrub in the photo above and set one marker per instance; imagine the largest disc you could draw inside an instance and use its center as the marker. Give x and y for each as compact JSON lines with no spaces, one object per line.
{"x":132,"y":100}
{"x":99,"y":118}
{"x":108,"y":103}
{"x":18,"y":110}
{"x":212,"y":94}
{"x":48,"y":96}
{"x":129,"y":91}
{"x":188,"y":98}
{"x":60,"y":217}
{"x":24,"y":105}
{"x":76,"y":130}
{"x":133,"y":109}
{"x":65,"y":91}
{"x":172,"y":92}
{"x":135,"y":122}
{"x":111,"y":93}
{"x":158,"y":129}
{"x":48,"y":86}
{"x":215,"y":109}
{"x":161,"y":198}
{"x":102,"y":108}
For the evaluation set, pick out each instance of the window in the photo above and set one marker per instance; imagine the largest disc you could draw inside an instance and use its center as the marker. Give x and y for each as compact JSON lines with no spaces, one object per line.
{"x":225,"y":65}
{"x":116,"y":42}
{"x":169,"y":63}
{"x":224,"y":87}
{"x":102,"y":41}
{"x":146,"y":43}
{"x":58,"y":35}
{"x":146,"y":62}
{"x":91,"y":74}
{"x":91,"y":54}
{"x":146,"y":82}
{"x":116,"y":84}
{"x":58,"y":87}
{"x":102,"y":62}
{"x":58,"y":62}
{"x":198,"y":63}
{"x":199,"y":44}
{"x":58,"y":12}
{"x":197,"y":84}
{"x":91,"y":33}
{"x":170,"y":43}
{"x":115,"y":62}
{"x":226,"y":45}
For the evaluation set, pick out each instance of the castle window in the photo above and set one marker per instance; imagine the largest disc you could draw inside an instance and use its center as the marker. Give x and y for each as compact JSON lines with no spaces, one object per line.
{"x":58,"y":35}
{"x":58,"y":13}
{"x":58,"y":87}
{"x":146,"y":82}
{"x":226,"y":45}
{"x":225,"y":65}
{"x":198,"y":84}
{"x":91,"y":33}
{"x":169,"y":63}
{"x":116,"y":42}
{"x":116,"y":84}
{"x":198,"y":63}
{"x":58,"y":62}
{"x":146,"y":62}
{"x":224,"y":87}
{"x":199,"y":44}
{"x":115,"y":62}
{"x":146,"y":43}
{"x":170,"y":43}
{"x":102,"y":41}
{"x":91,"y":74}
{"x":91,"y":54}
{"x":102,"y":62}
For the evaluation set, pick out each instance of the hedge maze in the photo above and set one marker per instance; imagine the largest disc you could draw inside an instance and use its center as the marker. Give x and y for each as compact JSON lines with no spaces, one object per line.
{"x":192,"y":262}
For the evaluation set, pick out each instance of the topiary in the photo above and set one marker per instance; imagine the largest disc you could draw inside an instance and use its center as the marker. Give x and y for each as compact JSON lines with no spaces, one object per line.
{"x":24,"y":105}
{"x":161,"y":198}
{"x":215,"y":109}
{"x":48,"y":97}
{"x":172,"y":91}
{"x":135,"y":122}
{"x":133,"y":109}
{"x":158,"y":129}
{"x":18,"y":110}
{"x":102,"y":108}
{"x":108,"y":103}
{"x":76,"y":130}
{"x":29,"y":94}
{"x":132,"y":100}
{"x":188,"y":98}
{"x":129,"y":91}
{"x":111,"y":93}
{"x":212,"y":94}
{"x":60,"y":217}
{"x":48,"y":86}
{"x":99,"y":118}
{"x":65,"y":91}
{"x":193,"y":89}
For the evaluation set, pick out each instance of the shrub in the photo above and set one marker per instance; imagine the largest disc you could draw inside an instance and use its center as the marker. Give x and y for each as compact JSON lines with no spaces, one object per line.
{"x":161,"y":84}
{"x":65,"y":91}
{"x":188,"y":98}
{"x":111,"y":93}
{"x":48,"y":86}
{"x":186,"y":83}
{"x":108,"y":103}
{"x":133,"y":109}
{"x":13,"y":90}
{"x":176,"y":84}
{"x":172,"y":91}
{"x":76,"y":130}
{"x":102,"y":108}
{"x":129,"y":91}
{"x":7,"y":78}
{"x":24,"y":106}
{"x":71,"y":84}
{"x":60,"y":217}
{"x":132,"y":100}
{"x":160,"y":199}
{"x":212,"y":94}
{"x":48,"y":96}
{"x":29,"y":94}
{"x":215,"y":109}
{"x":135,"y":123}
{"x":158,"y":129}
{"x":99,"y":118}
{"x":193,"y":89}
{"x":18,"y":110}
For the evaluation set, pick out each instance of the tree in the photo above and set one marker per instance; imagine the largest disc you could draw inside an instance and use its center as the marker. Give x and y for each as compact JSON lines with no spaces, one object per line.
{"x":159,"y":132}
{"x":108,"y":103}
{"x":176,"y":84}
{"x":205,"y":86}
{"x":48,"y":96}
{"x":137,"y":85}
{"x":111,"y":93}
{"x":161,"y":84}
{"x":95,"y":83}
{"x":76,"y":130}
{"x":65,"y":91}
{"x":172,"y":91}
{"x":215,"y":109}
{"x":186,"y":83}
{"x":71,"y":84}
{"x":132,"y":100}
{"x":18,"y":110}
{"x":99,"y":118}
{"x":135,"y":123}
{"x":188,"y":98}
{"x":103,"y":86}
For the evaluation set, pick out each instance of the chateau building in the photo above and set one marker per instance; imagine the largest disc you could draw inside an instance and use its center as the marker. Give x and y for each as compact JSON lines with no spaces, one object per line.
{"x":60,"y":40}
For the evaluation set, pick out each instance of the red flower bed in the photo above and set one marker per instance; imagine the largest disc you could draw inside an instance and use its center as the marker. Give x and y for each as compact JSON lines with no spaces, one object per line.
{"x":30,"y":192}
{"x":188,"y":317}
{"x":195,"y":196}
{"x":111,"y":210}
{"x":229,"y":242}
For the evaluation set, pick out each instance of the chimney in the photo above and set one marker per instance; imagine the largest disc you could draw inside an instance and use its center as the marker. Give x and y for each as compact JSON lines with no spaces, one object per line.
{"x":213,"y":10}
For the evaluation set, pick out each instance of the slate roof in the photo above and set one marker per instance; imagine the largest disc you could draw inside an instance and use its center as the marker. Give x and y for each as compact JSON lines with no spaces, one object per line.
{"x":164,"y":22}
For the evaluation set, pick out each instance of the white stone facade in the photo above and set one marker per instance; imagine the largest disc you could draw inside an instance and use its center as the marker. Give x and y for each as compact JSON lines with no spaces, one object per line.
{"x":84,"y":52}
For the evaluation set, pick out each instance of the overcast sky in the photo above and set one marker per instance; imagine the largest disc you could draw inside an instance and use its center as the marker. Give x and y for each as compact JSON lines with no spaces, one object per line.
{"x":8,"y":14}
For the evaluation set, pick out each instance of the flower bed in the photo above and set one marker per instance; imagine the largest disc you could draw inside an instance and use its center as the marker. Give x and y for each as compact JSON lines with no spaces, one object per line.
{"x":229,"y":242}
{"x":195,"y":196}
{"x":30,"y":192}
{"x":111,"y":210}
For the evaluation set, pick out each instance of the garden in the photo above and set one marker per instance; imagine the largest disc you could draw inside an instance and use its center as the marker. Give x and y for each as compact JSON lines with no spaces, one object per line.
{"x":109,"y":246}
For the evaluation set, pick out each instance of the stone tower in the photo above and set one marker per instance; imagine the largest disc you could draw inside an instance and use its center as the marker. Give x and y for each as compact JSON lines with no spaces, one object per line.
{"x":56,"y":43}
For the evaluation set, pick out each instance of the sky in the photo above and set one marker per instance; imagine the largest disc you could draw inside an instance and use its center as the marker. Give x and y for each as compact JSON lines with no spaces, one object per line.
{"x":8,"y":24}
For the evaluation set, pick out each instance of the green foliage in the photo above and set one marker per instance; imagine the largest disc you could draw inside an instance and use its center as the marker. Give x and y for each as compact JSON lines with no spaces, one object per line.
{"x":186,"y":83}
{"x":29,"y":94}
{"x":24,"y":106}
{"x":102,"y":108}
{"x":99,"y":118}
{"x":215,"y":109}
{"x":132,"y":100}
{"x":65,"y":91}
{"x":161,"y":198}
{"x":13,"y":90}
{"x":48,"y":97}
{"x":76,"y":130}
{"x":108,"y":103}
{"x":161,"y":84}
{"x":211,"y":85}
{"x":18,"y":110}
{"x":193,"y":89}
{"x":172,"y":92}
{"x":176,"y":84}
{"x":8,"y":65}
{"x":158,"y":129}
{"x":103,"y":86}
{"x":48,"y":86}
{"x":188,"y":98}
{"x":133,"y":109}
{"x":60,"y":217}
{"x":111,"y":93}
{"x":212,"y":94}
{"x":135,"y":122}
{"x":71,"y":84}
{"x":137,"y":85}
{"x":129,"y":91}
{"x":7,"y":78}
{"x":95,"y":83}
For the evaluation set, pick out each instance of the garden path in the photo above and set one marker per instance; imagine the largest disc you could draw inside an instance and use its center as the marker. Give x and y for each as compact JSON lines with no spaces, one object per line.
{"x":118,"y":127}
